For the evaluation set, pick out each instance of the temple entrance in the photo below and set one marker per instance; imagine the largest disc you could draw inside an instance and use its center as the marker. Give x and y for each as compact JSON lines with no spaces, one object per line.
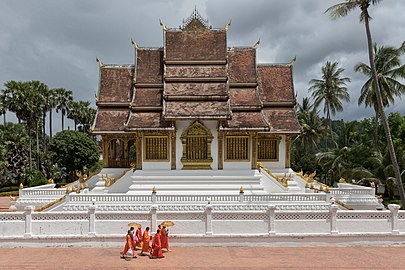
{"x":196,"y":140}
{"x":121,"y":153}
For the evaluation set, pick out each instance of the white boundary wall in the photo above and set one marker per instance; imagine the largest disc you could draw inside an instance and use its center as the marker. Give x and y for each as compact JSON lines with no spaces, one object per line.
{"x":207,"y":220}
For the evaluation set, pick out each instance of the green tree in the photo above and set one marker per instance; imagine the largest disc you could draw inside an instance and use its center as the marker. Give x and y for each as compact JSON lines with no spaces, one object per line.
{"x":341,"y":10}
{"x":50,"y":104}
{"x":74,"y":150}
{"x":330,"y":90}
{"x":389,"y":69}
{"x":63,"y":98}
{"x":3,"y":110}
{"x":14,"y":151}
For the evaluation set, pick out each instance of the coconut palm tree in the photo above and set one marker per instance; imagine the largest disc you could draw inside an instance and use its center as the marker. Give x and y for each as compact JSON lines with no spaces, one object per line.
{"x":330,"y":90}
{"x":63,"y":97}
{"x":341,"y":10}
{"x":312,"y":127}
{"x":50,"y":105}
{"x":3,"y":111}
{"x":389,"y":69}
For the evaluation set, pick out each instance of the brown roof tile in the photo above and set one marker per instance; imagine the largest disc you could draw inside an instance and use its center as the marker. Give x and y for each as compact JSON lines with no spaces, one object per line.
{"x":195,"y":45}
{"x":115,"y":84}
{"x":195,"y":89}
{"x":196,"y":110}
{"x":275,"y":83}
{"x":242,"y":65}
{"x":246,"y":121}
{"x":147,"y":97}
{"x":244,"y":97}
{"x":149,"y":65}
{"x":147,"y":121}
{"x":111,"y":119}
{"x":281,"y":120}
{"x":195,"y":71}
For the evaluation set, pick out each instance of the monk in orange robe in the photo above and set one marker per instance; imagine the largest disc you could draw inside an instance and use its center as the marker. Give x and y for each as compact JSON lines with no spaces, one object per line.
{"x":165,"y":238}
{"x":157,"y":247}
{"x":145,"y":241}
{"x":129,"y":240}
{"x":138,"y":238}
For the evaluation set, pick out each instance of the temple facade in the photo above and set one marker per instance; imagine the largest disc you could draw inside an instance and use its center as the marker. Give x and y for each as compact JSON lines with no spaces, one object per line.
{"x":196,"y":103}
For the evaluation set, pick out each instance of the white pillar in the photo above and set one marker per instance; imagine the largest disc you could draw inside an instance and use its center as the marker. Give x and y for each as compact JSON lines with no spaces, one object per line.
{"x":92,"y":220}
{"x":241,"y":197}
{"x":153,"y":218}
{"x":208,"y":219}
{"x":271,"y":211}
{"x":333,"y":214}
{"x":28,"y":221}
{"x":153,"y":197}
{"x":394,"y":218}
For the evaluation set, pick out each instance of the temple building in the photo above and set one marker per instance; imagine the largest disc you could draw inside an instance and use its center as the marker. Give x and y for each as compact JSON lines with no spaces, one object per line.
{"x":196,"y":103}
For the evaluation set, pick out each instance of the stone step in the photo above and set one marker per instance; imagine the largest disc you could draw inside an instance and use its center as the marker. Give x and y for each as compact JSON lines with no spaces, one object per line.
{"x":195,"y":182}
{"x":195,"y":188}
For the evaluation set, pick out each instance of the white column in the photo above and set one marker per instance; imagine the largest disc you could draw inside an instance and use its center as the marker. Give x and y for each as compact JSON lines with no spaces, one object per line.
{"x":333,"y":214}
{"x":28,"y":221}
{"x":394,"y":218}
{"x":153,"y":218}
{"x":208,"y":219}
{"x":271,"y":211}
{"x":241,"y":197}
{"x":92,"y":220}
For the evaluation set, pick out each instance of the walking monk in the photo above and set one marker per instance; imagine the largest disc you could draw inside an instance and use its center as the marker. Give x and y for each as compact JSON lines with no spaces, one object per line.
{"x":164,"y":235}
{"x":129,"y":240}
{"x":138,"y":238}
{"x":157,"y":246}
{"x":145,"y":241}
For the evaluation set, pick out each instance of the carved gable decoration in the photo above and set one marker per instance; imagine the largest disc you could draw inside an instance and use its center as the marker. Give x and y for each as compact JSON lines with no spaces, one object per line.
{"x":196,"y":129}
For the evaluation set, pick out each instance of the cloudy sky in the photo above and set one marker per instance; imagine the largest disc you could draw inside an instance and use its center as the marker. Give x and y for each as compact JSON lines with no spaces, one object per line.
{"x":57,"y":41}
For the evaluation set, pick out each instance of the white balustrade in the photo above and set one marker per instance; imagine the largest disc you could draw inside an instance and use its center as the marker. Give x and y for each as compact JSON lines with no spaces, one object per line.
{"x":207,"y":219}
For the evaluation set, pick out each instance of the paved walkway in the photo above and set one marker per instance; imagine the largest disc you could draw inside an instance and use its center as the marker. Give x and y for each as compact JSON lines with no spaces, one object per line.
{"x":209,"y":258}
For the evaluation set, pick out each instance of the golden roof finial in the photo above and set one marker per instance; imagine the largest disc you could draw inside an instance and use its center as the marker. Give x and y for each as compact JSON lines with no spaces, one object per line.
{"x":256,"y":44}
{"x":292,"y":62}
{"x":163,"y":25}
{"x":241,"y":189}
{"x":134,"y":43}
{"x":228,"y":25}
{"x":154,"y":189}
{"x":21,"y":186}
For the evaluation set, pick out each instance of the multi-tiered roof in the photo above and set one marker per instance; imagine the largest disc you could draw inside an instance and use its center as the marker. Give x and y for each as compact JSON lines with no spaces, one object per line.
{"x":196,"y":76}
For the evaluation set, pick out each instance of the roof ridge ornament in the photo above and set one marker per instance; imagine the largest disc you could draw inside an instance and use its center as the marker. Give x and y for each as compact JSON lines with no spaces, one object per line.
{"x":163,"y":25}
{"x":256,"y":44}
{"x":100,"y":64}
{"x":292,"y":62}
{"x":228,"y":25}
{"x":195,"y":16}
{"x":134,"y":43}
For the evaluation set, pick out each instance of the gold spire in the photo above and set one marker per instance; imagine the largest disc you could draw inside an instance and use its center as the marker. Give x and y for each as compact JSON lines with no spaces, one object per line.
{"x":228,"y":25}
{"x":256,"y":44}
{"x":163,"y":25}
{"x":292,"y":62}
{"x":241,"y":190}
{"x":21,"y":186}
{"x":134,"y":43}
{"x":154,"y":189}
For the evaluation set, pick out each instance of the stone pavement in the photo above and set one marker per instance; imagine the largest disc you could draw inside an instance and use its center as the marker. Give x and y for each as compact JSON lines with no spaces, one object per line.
{"x":359,"y":257}
{"x":4,"y":203}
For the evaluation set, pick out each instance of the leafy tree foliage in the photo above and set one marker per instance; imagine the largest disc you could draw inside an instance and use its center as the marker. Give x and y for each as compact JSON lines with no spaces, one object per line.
{"x":74,"y":150}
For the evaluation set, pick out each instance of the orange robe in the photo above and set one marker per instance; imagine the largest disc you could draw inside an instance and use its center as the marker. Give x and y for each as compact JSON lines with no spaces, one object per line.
{"x":165,"y":239}
{"x":157,"y":246}
{"x":128,"y":245}
{"x":145,"y":242}
{"x":138,"y":238}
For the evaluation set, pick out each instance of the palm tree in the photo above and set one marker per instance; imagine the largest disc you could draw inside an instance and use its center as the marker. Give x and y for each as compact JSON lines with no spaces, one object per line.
{"x":13,"y":97}
{"x":3,"y":111}
{"x":341,"y":10}
{"x":330,"y":90}
{"x":389,"y":68}
{"x":312,"y":127}
{"x":63,"y":97}
{"x":50,"y":105}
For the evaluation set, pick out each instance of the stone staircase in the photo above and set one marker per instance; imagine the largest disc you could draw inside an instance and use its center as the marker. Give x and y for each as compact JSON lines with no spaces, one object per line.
{"x":197,"y":182}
